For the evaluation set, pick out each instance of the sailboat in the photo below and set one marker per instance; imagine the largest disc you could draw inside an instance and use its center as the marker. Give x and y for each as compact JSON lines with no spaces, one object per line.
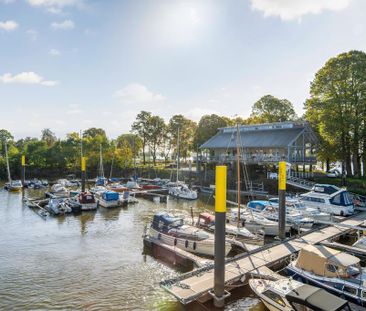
{"x":180,"y":190}
{"x":101,"y":180}
{"x":11,"y":185}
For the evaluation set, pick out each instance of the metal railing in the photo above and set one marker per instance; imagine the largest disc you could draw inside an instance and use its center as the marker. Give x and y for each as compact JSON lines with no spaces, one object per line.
{"x":258,"y":158}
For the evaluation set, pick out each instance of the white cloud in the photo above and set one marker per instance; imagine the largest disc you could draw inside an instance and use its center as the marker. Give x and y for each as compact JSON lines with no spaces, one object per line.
{"x":54,"y":52}
{"x":295,"y":9}
{"x":197,"y":113}
{"x":32,"y":34}
{"x":29,"y":77}
{"x":138,"y":93}
{"x":8,"y":25}
{"x":55,"y":6}
{"x":65,"y":25}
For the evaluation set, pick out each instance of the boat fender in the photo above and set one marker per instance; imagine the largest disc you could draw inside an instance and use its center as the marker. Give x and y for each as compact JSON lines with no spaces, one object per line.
{"x":186,"y":244}
{"x":159,"y":236}
{"x":175,"y":241}
{"x":194,"y":245}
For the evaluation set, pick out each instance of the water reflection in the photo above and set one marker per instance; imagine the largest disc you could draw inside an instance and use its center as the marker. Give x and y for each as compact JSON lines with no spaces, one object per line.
{"x":92,"y":261}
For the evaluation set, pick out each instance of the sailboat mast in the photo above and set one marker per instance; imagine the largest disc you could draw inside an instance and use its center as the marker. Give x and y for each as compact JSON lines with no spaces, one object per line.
{"x":178,"y":155}
{"x":238,"y":169}
{"x":101,"y":170}
{"x":7,"y":161}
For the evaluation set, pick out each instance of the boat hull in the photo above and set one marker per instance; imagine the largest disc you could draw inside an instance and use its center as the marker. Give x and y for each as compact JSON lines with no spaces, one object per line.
{"x":204,"y":247}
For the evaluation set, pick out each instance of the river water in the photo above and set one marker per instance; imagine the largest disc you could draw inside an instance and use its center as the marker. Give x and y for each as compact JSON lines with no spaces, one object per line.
{"x":94,"y":261}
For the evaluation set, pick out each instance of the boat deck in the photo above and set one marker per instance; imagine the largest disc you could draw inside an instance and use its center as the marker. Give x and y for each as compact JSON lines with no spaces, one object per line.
{"x":193,"y":285}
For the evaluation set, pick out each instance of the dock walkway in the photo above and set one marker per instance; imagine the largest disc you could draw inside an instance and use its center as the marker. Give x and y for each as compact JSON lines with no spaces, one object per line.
{"x":194,"y":285}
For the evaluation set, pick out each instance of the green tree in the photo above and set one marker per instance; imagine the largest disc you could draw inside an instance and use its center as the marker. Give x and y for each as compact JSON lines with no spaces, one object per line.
{"x":141,"y":127}
{"x":133,"y":141}
{"x":156,"y":135}
{"x":187,"y":129}
{"x":337,"y":107}
{"x":48,"y":136}
{"x":207,"y":127}
{"x":271,"y":109}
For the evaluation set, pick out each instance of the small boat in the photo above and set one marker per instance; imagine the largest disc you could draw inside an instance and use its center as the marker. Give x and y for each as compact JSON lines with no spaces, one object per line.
{"x":13,"y":186}
{"x":172,"y":231}
{"x":335,"y":271}
{"x":59,"y":190}
{"x":76,"y":207}
{"x":360,"y":243}
{"x":109,"y":199}
{"x":182,"y":191}
{"x":329,"y":199}
{"x":86,"y":200}
{"x":206,"y":221}
{"x":56,"y":207}
{"x":256,"y":223}
{"x":290,"y":295}
{"x":293,"y":204}
{"x":271,"y":212}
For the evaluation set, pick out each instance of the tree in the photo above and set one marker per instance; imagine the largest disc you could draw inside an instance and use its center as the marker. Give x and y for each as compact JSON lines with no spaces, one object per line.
{"x":337,"y":107}
{"x":187,"y":128}
{"x":141,"y":127}
{"x":271,"y":109}
{"x":48,"y":136}
{"x":207,"y":127}
{"x":156,"y":134}
{"x":133,"y":141}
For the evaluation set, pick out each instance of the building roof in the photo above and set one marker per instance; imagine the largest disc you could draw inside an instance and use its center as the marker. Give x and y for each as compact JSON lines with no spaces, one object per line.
{"x":269,"y":135}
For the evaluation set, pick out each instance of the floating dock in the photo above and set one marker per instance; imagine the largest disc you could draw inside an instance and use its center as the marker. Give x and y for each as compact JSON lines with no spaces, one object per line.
{"x":195,"y":285}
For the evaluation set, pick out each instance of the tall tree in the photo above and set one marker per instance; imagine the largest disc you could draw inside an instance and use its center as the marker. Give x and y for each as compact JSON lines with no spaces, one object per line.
{"x":336,"y":107}
{"x":271,"y":109}
{"x":207,"y":127}
{"x":156,"y":135}
{"x":133,"y":141}
{"x":141,"y":127}
{"x":48,"y":136}
{"x":187,"y":128}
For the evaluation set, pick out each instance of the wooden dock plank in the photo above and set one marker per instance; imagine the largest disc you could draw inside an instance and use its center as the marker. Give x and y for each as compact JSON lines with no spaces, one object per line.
{"x":199,"y":284}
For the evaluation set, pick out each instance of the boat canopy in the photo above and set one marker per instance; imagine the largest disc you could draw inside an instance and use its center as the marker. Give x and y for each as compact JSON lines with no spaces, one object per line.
{"x":258,"y":205}
{"x":315,"y":298}
{"x":325,"y":188}
{"x":164,"y":221}
{"x":325,"y":261}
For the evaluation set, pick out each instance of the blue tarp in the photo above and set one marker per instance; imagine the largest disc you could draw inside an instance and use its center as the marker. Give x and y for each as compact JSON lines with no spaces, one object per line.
{"x":110,"y":196}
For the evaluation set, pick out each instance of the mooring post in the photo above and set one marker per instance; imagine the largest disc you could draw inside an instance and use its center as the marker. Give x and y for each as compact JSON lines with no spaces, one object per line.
{"x":219,"y":294}
{"x":282,"y":199}
{"x":83,"y":173}
{"x":23,"y":170}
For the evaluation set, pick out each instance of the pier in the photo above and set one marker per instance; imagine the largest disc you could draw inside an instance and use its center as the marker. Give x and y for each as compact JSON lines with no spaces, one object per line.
{"x":195,"y":285}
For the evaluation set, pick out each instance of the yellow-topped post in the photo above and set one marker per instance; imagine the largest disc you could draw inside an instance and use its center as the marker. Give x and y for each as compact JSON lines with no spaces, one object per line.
{"x":219,"y":294}
{"x":282,"y":199}
{"x":23,"y":169}
{"x":83,"y":173}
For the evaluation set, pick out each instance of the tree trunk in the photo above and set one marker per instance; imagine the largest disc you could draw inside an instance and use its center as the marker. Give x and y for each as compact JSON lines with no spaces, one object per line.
{"x":327,"y":164}
{"x":143,"y":151}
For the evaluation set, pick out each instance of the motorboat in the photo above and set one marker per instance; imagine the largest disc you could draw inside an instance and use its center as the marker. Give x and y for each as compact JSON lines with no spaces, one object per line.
{"x":360,"y":243}
{"x":172,"y":231}
{"x":329,"y":199}
{"x":109,"y":199}
{"x":256,"y":223}
{"x":76,"y":207}
{"x":290,"y":295}
{"x":13,"y":186}
{"x":295,"y":204}
{"x":271,"y":212}
{"x":128,"y":198}
{"x":86,"y":200}
{"x":59,"y":190}
{"x":182,"y":191}
{"x":206,"y":221}
{"x":56,"y":207}
{"x":333,"y":270}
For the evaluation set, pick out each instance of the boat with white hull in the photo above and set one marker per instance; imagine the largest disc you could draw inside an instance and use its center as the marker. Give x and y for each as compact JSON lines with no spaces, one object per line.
{"x":172,"y":231}
{"x":335,"y":271}
{"x":290,"y":295}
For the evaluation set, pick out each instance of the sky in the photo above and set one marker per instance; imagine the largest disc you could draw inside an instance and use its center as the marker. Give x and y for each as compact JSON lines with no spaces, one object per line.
{"x":69,"y":65}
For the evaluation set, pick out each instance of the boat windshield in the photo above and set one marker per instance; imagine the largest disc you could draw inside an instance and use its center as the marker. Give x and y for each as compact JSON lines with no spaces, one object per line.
{"x":176,"y":223}
{"x":353,"y":270}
